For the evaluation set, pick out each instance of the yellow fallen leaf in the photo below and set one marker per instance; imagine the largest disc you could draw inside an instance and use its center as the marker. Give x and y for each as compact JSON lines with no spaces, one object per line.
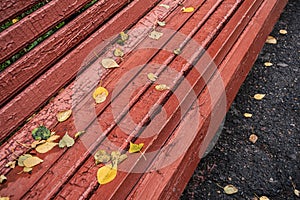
{"x":22,"y":158}
{"x":162,"y":87}
{"x":155,"y":35}
{"x":44,"y":148}
{"x":268,"y":64}
{"x":133,"y":148}
{"x":152,"y":77}
{"x":4,"y":198}
{"x":259,"y":96}
{"x":106,"y":174}
{"x":263,"y":198}
{"x":118,"y":52}
{"x":248,"y":115}
{"x":188,"y":9}
{"x":100,"y":94}
{"x":283,"y":32}
{"x":53,"y":138}
{"x":78,"y":134}
{"x":297,"y":192}
{"x":165,"y":6}
{"x":109,"y":63}
{"x":35,"y":143}
{"x":27,"y":169}
{"x":253,"y":138}
{"x":271,"y":40}
{"x":163,"y":23}
{"x":14,"y":20}
{"x":230,"y":189}
{"x":32,"y":161}
{"x":2,"y":178}
{"x":101,"y":156}
{"x":124,"y":36}
{"x":63,"y":115}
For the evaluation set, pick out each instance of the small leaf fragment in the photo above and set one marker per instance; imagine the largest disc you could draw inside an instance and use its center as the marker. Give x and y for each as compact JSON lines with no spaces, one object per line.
{"x":230,"y":189}
{"x":44,"y":148}
{"x":109,"y":63}
{"x":27,"y":169}
{"x":106,"y":174}
{"x":177,"y":51}
{"x":283,"y":32}
{"x":124,"y":36}
{"x":152,"y":77}
{"x":247,"y":115}
{"x":268,"y":64}
{"x":101,"y":156}
{"x":11,"y":164}
{"x":155,"y":35}
{"x":122,"y":158}
{"x":100,"y":94}
{"x":165,"y":6}
{"x":14,"y":20}
{"x":263,"y":198}
{"x":161,"y":23}
{"x":162,"y":87}
{"x":66,"y":141}
{"x":188,"y":9}
{"x":2,"y":179}
{"x":271,"y":40}
{"x":297,"y":192}
{"x":22,"y":158}
{"x":253,"y":138}
{"x":63,"y":115}
{"x":79,"y":133}
{"x":133,"y":148}
{"x":53,"y":138}
{"x":259,"y":96}
{"x":35,"y":143}
{"x":41,"y":133}
{"x":4,"y":198}
{"x":118,"y":52}
{"x":32,"y":161}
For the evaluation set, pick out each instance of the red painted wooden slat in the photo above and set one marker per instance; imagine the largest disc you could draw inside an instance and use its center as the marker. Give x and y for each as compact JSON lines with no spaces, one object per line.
{"x":12,"y":8}
{"x":34,"y":25}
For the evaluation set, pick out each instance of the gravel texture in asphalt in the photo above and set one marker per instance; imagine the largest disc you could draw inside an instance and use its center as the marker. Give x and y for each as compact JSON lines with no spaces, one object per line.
{"x":271,"y":166}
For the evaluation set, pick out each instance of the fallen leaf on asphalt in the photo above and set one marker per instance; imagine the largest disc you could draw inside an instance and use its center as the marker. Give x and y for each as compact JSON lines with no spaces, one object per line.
{"x":63,"y":115}
{"x":268,"y":64}
{"x":161,"y":23}
{"x":100,"y":94}
{"x":177,"y":51}
{"x":44,"y":148}
{"x":271,"y":40}
{"x":230,"y":189}
{"x":106,"y":174}
{"x":32,"y":161}
{"x":297,"y":192}
{"x":253,"y":138}
{"x":259,"y":96}
{"x":283,"y":32}
{"x":109,"y":63}
{"x":152,"y":77}
{"x":162,"y":87}
{"x":2,"y":179}
{"x":66,"y":141}
{"x":11,"y":164}
{"x":155,"y":35}
{"x":165,"y":6}
{"x":118,"y":52}
{"x":135,"y":147}
{"x":41,"y":133}
{"x":188,"y":9}
{"x":22,"y":158}
{"x":263,"y":198}
{"x":101,"y":156}
{"x":248,"y":115}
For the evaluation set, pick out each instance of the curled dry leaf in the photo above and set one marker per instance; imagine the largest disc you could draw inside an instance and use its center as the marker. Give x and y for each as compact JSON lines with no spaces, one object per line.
{"x":44,"y":148}
{"x":32,"y":161}
{"x":283,"y":32}
{"x":152,"y":77}
{"x":177,"y":51}
{"x":259,"y":96}
{"x":79,"y":133}
{"x":66,"y":141}
{"x":297,"y":192}
{"x":22,"y":158}
{"x":14,"y":20}
{"x":27,"y":169}
{"x":271,"y":40}
{"x":100,"y":94}
{"x":268,"y":64}
{"x":63,"y":115}
{"x":165,"y":6}
{"x":109,"y":63}
{"x":155,"y":35}
{"x":188,"y":9}
{"x":161,"y":23}
{"x":230,"y":189}
{"x":118,"y":52}
{"x":106,"y":174}
{"x":133,"y":148}
{"x":247,"y":115}
{"x":2,"y":178}
{"x":4,"y":198}
{"x":41,"y":133}
{"x":162,"y":87}
{"x":253,"y":138}
{"x":101,"y":156}
{"x":11,"y":164}
{"x":263,"y":198}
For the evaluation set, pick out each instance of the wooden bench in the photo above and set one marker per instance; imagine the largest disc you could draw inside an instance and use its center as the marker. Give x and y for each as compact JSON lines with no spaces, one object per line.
{"x":219,"y":42}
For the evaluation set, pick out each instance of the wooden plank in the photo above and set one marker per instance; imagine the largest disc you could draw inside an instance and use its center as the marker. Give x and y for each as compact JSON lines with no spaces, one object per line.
{"x":233,"y":71}
{"x":34,"y":25}
{"x":13,"y":8}
{"x":43,"y":56}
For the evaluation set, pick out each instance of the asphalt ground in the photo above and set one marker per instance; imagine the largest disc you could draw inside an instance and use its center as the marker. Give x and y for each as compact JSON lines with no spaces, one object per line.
{"x":271,"y":166}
